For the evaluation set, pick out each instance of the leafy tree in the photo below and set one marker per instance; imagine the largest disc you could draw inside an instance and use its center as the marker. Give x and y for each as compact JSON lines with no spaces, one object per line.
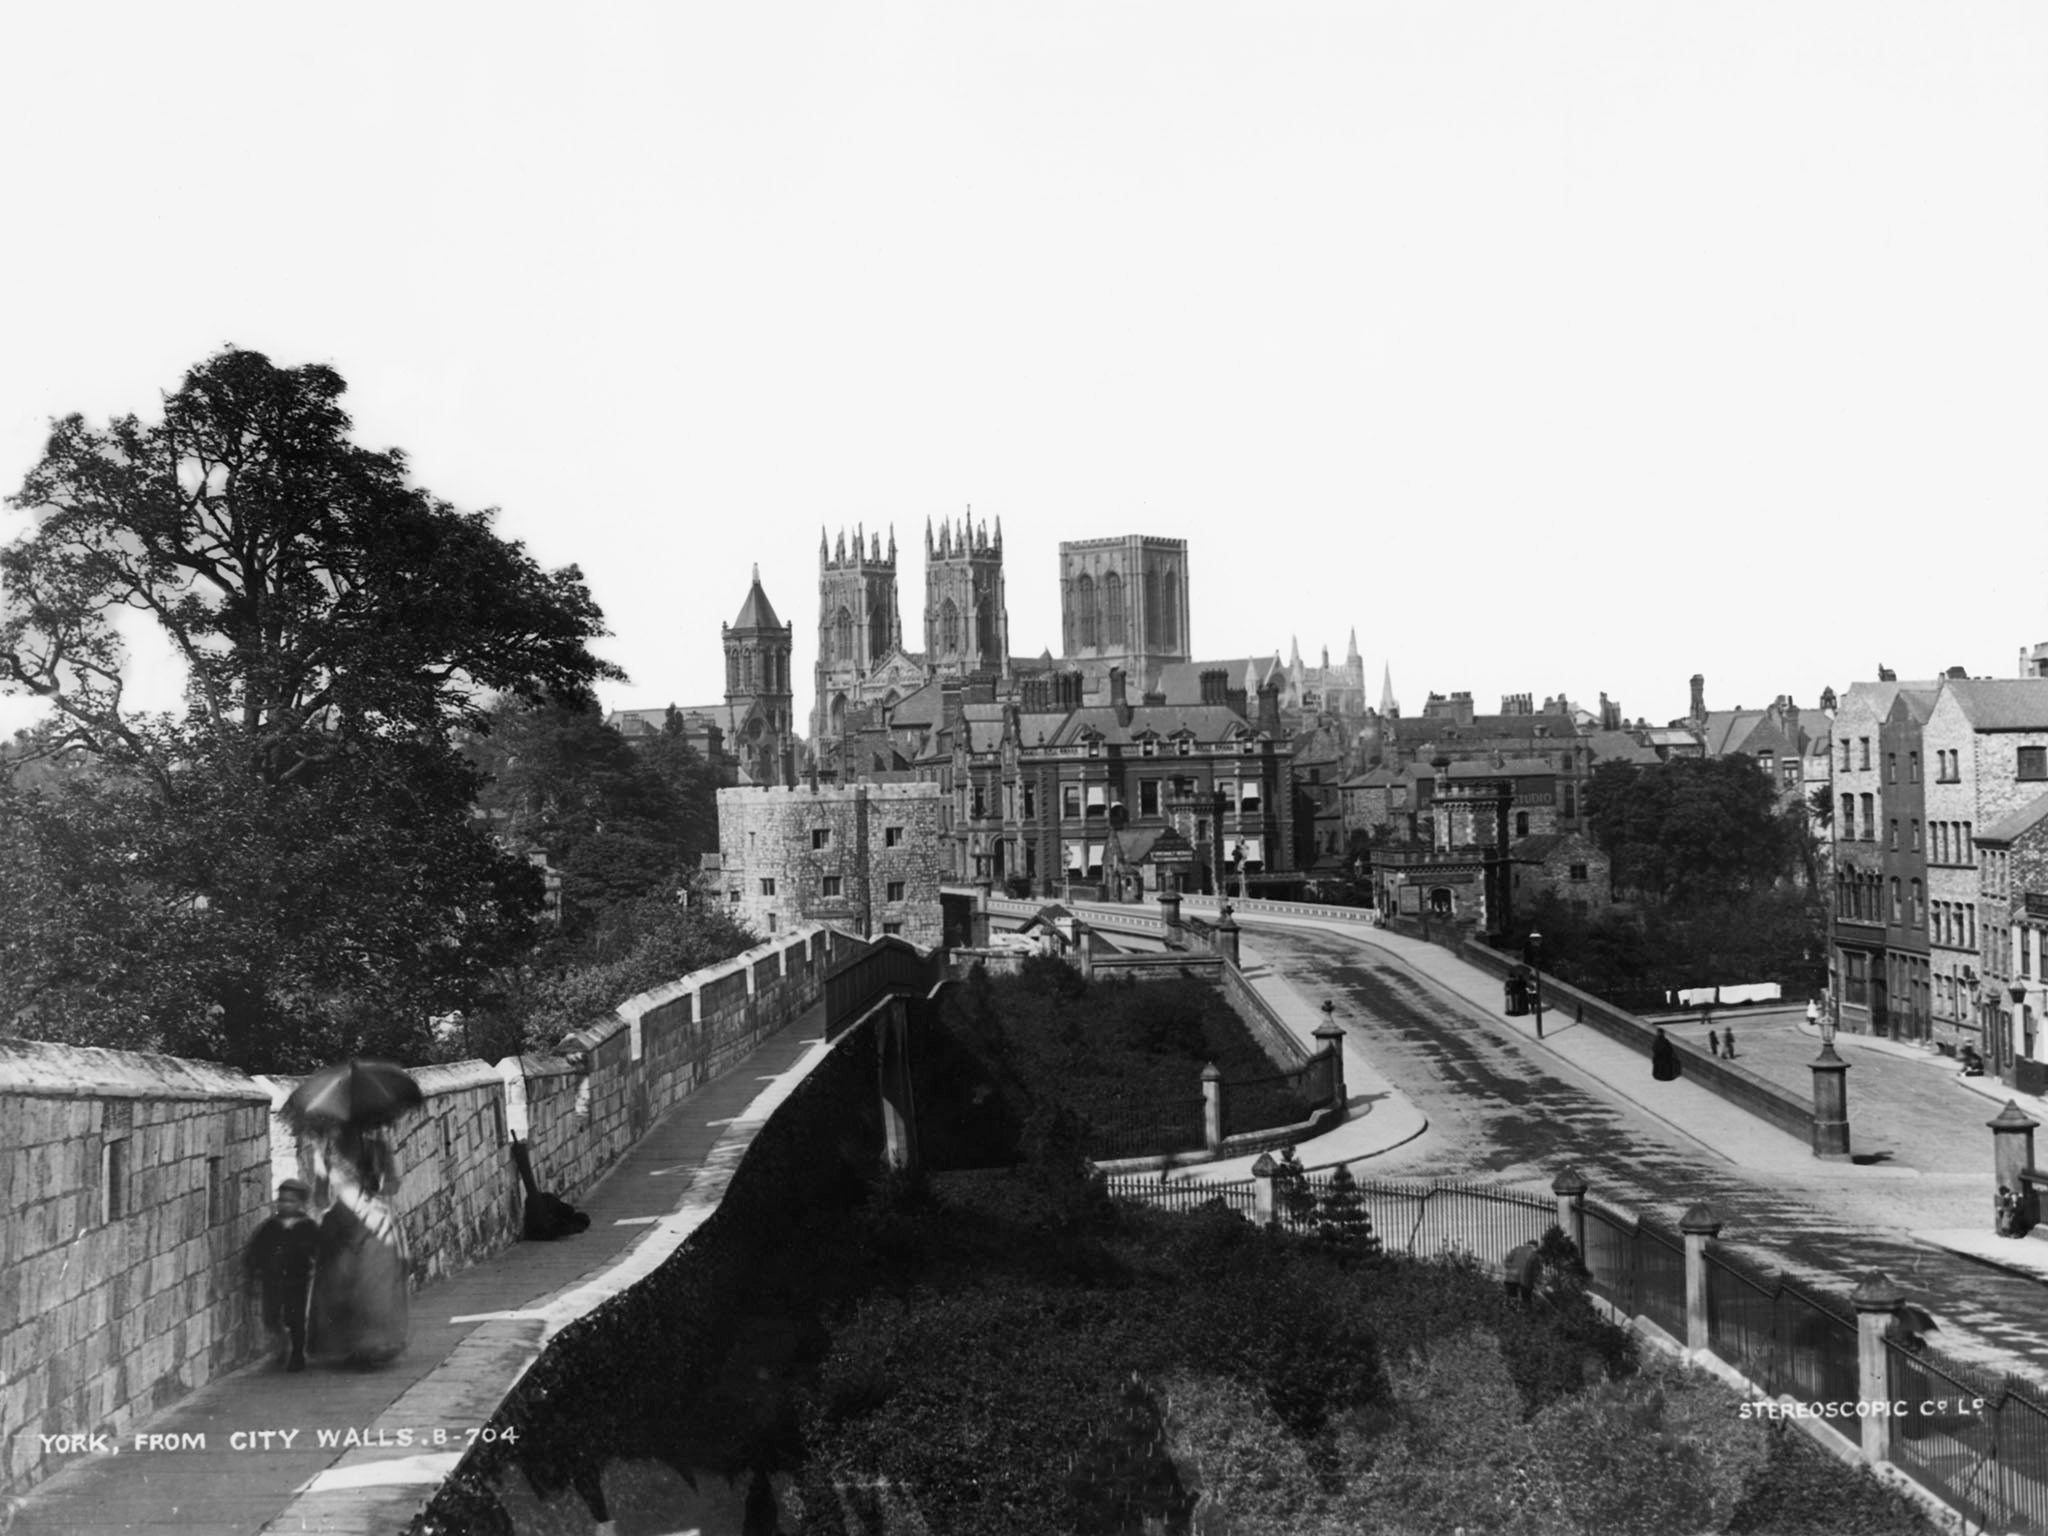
{"x":287,"y":866}
{"x":1692,"y":831}
{"x":612,"y":818}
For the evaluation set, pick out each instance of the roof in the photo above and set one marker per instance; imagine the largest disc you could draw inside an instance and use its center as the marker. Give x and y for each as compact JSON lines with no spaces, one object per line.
{"x":1619,"y":746}
{"x":1373,"y":778}
{"x":1207,"y":722}
{"x":2018,"y":823}
{"x":757,"y":612}
{"x":2002,"y":703}
{"x":1510,"y":768}
{"x":1181,"y":681}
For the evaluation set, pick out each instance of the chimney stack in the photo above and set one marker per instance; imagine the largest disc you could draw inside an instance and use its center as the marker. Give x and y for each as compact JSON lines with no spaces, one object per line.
{"x":1699,"y":696}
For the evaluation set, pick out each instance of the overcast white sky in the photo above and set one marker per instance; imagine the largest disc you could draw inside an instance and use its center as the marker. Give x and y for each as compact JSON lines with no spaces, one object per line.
{"x":1552,"y":347}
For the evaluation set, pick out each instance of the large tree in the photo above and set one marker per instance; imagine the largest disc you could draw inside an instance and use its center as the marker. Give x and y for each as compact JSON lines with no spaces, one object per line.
{"x":1693,"y":831}
{"x":288,"y":866}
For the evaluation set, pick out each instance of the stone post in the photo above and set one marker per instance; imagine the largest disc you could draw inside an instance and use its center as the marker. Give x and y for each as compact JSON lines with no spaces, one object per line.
{"x":1875,"y":1300}
{"x":1700,"y":1226}
{"x":1331,"y":1034}
{"x":978,"y":921}
{"x":1226,"y":935}
{"x":1169,"y":908}
{"x":2012,"y":1153}
{"x":1830,"y":1105}
{"x":1212,"y":1107}
{"x":1264,"y":1213}
{"x":1570,"y":1189}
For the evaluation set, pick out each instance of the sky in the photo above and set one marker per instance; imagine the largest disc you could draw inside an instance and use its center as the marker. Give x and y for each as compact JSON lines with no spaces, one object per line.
{"x":1551,"y":348}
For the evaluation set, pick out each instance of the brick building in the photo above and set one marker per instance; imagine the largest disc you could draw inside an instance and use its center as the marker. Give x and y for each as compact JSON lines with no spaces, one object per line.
{"x":867,"y":857}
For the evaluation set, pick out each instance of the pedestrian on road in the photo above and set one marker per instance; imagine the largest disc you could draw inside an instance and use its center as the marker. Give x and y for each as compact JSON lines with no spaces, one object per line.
{"x":1713,"y":1043}
{"x":1728,"y":1043}
{"x":1663,"y":1058}
{"x":279,"y":1260}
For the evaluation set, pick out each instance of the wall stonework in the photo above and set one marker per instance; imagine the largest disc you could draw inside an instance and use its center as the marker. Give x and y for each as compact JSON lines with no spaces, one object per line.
{"x":102,"y":1322}
{"x":104,"y":1316}
{"x":776,"y":873}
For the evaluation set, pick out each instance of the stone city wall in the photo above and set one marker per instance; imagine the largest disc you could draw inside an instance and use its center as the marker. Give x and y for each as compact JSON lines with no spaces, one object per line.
{"x":120,"y":1272}
{"x":129,"y":1184}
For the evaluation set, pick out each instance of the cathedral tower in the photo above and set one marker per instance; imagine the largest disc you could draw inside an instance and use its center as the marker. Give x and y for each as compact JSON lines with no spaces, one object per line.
{"x":857,"y":622}
{"x":759,"y":698}
{"x":966,"y":618}
{"x":1125,"y":599}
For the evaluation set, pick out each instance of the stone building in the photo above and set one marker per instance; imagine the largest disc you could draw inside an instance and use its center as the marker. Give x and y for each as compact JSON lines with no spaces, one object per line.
{"x":966,"y":618}
{"x":867,"y":858}
{"x":860,"y":631}
{"x":1986,"y":746}
{"x":2012,"y":857}
{"x":1332,"y":690}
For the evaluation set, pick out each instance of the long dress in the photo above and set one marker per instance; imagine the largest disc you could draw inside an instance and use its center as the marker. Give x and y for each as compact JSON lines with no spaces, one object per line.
{"x":359,"y":1292}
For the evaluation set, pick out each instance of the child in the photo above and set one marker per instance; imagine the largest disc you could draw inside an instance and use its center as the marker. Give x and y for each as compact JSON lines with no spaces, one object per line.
{"x":280,"y":1259}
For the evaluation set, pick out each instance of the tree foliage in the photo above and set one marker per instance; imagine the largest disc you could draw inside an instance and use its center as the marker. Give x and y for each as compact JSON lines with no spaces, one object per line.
{"x":288,"y":865}
{"x":1693,"y":831}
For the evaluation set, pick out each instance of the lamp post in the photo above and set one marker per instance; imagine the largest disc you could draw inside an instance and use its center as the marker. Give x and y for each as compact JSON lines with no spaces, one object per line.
{"x":1532,"y":955}
{"x":1974,"y":985}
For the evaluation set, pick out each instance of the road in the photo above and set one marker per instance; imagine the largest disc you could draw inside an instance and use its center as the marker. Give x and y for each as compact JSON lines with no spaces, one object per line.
{"x":1507,"y":1110}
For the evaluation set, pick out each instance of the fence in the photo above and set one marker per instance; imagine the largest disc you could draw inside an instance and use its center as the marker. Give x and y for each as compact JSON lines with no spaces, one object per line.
{"x":1980,"y":1446}
{"x":1157,"y":1127}
{"x":1983,"y":1448}
{"x":1285,"y":1098}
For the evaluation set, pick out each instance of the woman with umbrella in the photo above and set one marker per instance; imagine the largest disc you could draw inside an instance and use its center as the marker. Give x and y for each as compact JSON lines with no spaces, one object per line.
{"x":358,"y":1311}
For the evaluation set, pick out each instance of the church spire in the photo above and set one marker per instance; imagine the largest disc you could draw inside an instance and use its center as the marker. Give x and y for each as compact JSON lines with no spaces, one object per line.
{"x":1389,"y":706}
{"x":1352,"y":655}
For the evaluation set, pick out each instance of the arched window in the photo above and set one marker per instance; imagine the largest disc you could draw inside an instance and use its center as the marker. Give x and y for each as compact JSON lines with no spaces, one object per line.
{"x":949,"y":628}
{"x":839,"y":712}
{"x":878,"y":634}
{"x":732,"y":672}
{"x":1113,"y":610}
{"x":1084,"y":612}
{"x":747,"y":670}
{"x":842,"y":636}
{"x":1169,"y":609}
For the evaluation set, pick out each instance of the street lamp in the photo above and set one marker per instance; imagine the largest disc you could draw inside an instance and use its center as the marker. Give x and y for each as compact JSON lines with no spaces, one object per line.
{"x":1823,"y":1019}
{"x":1532,"y":956}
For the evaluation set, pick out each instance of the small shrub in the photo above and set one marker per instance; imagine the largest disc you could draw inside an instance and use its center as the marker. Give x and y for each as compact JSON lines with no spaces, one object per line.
{"x":1803,"y":1491}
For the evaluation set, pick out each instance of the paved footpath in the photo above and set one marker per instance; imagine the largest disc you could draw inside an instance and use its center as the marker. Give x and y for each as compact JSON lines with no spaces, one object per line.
{"x":474,"y":1334}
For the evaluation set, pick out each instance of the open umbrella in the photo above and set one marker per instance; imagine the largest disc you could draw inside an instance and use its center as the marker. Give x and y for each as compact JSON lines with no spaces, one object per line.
{"x":355,"y":1092}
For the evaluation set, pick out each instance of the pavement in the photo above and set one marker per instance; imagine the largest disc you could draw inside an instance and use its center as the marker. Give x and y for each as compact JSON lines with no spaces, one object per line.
{"x":361,"y":1452}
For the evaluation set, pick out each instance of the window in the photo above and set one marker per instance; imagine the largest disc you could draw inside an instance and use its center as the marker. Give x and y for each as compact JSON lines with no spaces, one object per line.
{"x":896,"y":928}
{"x":980,"y":802}
{"x":2033,"y":763}
{"x":767,"y":885}
{"x":1913,"y":767}
{"x":771,"y":922}
{"x":1070,"y":858}
{"x":1916,"y":834}
{"x":829,"y":886}
{"x":1098,"y":800}
{"x":113,"y":1179}
{"x":821,"y":837}
{"x":1894,"y":837}
{"x":1845,"y":754}
{"x":1184,"y":746}
{"x":1857,"y":971}
{"x":1149,"y":747}
{"x":1869,"y":819}
{"x":892,"y":837}
{"x":1863,"y":753}
{"x":1578,"y":871}
{"x":1848,"y":818}
{"x":1249,"y":800}
{"x":1521,"y":823}
{"x":896,"y":890}
{"x":1030,"y":800}
{"x":1070,"y":801}
{"x":1095,"y":746}
{"x":1148,"y":797}
{"x":735,"y":894}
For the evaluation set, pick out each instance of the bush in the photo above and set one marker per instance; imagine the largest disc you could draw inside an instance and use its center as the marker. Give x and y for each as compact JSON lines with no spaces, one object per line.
{"x":1801,"y":1490}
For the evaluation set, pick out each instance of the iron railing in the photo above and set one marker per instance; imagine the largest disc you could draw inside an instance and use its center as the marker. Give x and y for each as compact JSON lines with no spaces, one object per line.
{"x":1981,"y":1445}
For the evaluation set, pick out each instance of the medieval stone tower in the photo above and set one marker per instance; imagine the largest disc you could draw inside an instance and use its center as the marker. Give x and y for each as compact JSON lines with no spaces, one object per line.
{"x":1125,"y":600}
{"x":857,"y":622}
{"x":966,"y":618}
{"x":759,"y":698}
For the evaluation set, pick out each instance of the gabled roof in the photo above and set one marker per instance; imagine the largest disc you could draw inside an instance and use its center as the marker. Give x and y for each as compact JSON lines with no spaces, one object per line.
{"x":1510,"y":768}
{"x":2010,"y":827}
{"x":757,"y":612}
{"x":2001,"y":703}
{"x":1181,"y":681}
{"x":1618,"y":746}
{"x":1205,"y":722}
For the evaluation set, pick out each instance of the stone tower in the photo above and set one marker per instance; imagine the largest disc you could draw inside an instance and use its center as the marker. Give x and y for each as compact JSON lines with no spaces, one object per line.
{"x":759,"y":697}
{"x":966,"y":617}
{"x":857,"y":621}
{"x":1125,"y":600}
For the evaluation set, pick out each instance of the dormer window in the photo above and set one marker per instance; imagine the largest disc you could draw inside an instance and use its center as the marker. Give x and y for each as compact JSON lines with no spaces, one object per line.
{"x":1095,"y":746}
{"x":1184,"y":746}
{"x":1149,"y":747}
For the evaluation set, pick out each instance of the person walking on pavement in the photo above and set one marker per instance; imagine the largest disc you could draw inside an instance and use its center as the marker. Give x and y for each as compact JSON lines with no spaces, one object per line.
{"x":1663,"y":1058}
{"x":1713,"y":1043}
{"x":1728,"y":1043}
{"x":279,"y":1260}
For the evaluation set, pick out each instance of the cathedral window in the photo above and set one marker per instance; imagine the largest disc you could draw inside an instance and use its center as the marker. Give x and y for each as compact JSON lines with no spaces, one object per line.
{"x":1113,"y":609}
{"x":1084,"y":612}
{"x":1169,"y":609}
{"x":949,"y":628}
{"x":842,"y":636}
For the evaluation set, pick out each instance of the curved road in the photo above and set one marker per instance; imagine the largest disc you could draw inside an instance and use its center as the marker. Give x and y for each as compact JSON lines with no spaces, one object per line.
{"x":1509,"y":1111}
